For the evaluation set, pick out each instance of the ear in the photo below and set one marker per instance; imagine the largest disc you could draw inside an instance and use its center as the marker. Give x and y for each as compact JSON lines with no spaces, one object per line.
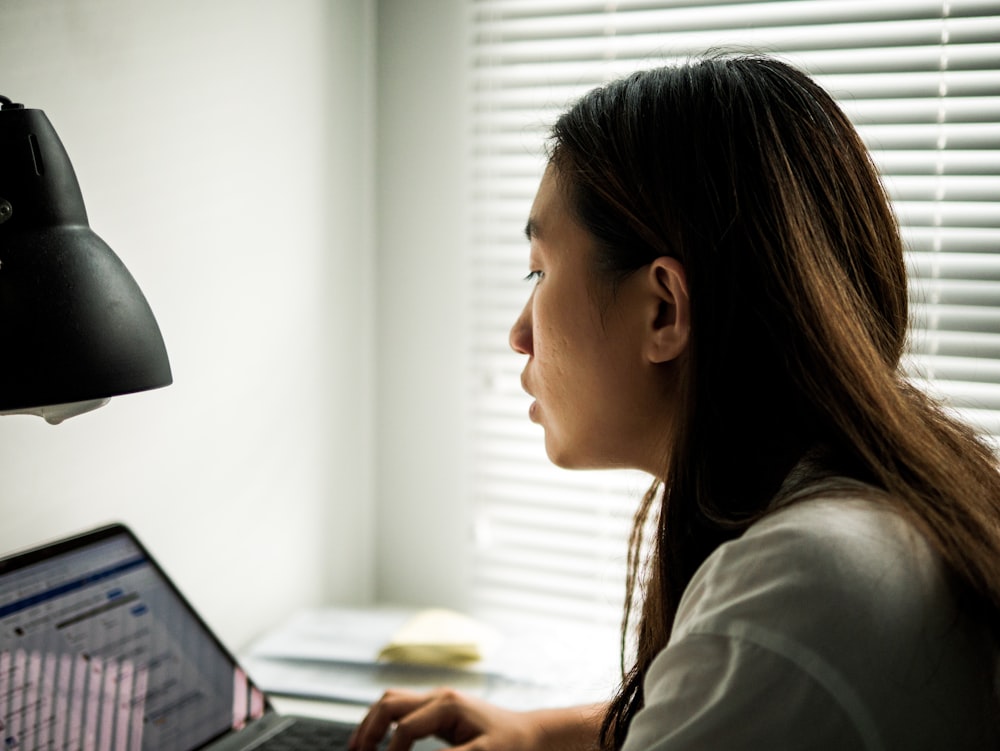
{"x":669,"y":325}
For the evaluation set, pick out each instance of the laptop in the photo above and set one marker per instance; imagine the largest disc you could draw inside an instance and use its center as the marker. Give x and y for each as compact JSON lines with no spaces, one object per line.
{"x":99,"y":651}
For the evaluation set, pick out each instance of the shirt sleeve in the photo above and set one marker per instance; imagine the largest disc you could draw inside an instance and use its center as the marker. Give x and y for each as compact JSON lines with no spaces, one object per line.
{"x":723,"y":693}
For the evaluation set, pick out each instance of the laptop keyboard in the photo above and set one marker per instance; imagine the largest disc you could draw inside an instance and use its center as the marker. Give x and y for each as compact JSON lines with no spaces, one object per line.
{"x":305,"y":735}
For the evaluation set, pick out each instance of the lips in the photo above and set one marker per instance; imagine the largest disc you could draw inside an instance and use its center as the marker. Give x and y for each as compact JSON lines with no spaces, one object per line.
{"x":533,"y":409}
{"x":524,"y":383}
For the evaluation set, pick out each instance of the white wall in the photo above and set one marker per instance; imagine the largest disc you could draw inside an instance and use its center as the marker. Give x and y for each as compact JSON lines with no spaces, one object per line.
{"x":224,"y":149}
{"x":423,"y":511}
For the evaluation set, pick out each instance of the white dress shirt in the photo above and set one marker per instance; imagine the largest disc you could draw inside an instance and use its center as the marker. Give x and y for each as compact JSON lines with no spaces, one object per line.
{"x":828,"y":625}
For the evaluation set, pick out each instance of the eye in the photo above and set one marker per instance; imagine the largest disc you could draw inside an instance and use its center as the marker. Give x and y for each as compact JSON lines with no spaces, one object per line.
{"x":534,"y":276}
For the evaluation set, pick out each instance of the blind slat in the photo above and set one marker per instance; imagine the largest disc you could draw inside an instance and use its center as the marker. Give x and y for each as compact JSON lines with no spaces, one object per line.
{"x":788,"y":39}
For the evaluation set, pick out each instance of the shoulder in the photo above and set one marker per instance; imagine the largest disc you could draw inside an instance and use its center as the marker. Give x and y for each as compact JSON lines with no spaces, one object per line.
{"x":803,"y":559}
{"x":846,"y":583}
{"x":841,"y":609}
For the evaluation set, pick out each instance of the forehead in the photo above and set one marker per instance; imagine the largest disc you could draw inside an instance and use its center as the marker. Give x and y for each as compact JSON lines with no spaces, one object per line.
{"x":549,"y":218}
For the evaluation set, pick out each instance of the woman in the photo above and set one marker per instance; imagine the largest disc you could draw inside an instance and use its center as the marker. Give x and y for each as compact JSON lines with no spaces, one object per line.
{"x":720,"y":300}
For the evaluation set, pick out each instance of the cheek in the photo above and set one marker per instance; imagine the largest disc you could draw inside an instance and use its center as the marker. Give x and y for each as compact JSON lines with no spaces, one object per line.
{"x":577,"y":370}
{"x":558,"y":346}
{"x":571,"y":347}
{"x":551,"y":360}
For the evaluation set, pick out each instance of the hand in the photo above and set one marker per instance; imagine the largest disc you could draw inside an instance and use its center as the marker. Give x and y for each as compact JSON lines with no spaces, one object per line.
{"x":460,"y":720}
{"x":470,"y":724}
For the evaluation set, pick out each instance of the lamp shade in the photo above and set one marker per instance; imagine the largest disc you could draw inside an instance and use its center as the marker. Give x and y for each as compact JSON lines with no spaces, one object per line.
{"x":74,"y":325}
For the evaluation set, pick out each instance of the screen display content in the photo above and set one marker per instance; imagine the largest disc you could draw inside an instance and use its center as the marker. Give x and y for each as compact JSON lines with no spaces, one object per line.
{"x":98,"y":652}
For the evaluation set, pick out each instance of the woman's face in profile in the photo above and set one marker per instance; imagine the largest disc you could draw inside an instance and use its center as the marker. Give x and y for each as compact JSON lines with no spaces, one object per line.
{"x":594,"y":393}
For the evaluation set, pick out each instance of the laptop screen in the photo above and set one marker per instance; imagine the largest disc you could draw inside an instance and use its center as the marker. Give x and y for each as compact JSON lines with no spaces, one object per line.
{"x":98,"y":651}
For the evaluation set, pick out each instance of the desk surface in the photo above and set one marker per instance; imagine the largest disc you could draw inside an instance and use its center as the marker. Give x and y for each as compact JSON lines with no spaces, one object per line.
{"x":330,"y":652}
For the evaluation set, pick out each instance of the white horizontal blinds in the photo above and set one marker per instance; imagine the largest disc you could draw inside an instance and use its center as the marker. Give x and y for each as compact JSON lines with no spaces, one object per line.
{"x":941,"y":157}
{"x":920,"y":78}
{"x":547,"y":542}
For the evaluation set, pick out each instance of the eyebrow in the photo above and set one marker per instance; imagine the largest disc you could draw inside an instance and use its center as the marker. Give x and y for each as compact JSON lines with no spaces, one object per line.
{"x":531,"y":229}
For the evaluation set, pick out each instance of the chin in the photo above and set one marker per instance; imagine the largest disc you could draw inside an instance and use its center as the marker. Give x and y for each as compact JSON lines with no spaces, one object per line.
{"x":566,"y":458}
{"x":563,"y":462}
{"x":559,"y":456}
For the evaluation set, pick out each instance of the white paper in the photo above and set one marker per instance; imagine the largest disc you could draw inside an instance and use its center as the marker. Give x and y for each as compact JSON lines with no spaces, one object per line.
{"x":350,"y":635}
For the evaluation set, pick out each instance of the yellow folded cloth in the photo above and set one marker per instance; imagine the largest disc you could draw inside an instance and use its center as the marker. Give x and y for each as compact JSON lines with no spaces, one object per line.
{"x":438,"y":638}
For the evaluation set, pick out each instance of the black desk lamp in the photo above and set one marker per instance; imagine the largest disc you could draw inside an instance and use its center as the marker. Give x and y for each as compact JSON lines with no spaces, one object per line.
{"x":75,"y":329}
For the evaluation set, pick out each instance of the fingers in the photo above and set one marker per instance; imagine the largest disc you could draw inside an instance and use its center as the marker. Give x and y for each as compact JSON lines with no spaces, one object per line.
{"x":442,"y":712}
{"x":438,"y":715}
{"x":393,"y":705}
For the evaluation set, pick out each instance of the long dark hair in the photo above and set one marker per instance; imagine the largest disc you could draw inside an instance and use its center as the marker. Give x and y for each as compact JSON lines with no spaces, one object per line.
{"x":748,"y":172}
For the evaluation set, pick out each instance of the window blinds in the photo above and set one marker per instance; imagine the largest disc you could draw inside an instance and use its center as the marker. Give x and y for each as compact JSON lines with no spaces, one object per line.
{"x":920,"y":80}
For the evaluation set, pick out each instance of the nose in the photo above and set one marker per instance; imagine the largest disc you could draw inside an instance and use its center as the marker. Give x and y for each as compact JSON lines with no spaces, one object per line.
{"x":520,"y":332}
